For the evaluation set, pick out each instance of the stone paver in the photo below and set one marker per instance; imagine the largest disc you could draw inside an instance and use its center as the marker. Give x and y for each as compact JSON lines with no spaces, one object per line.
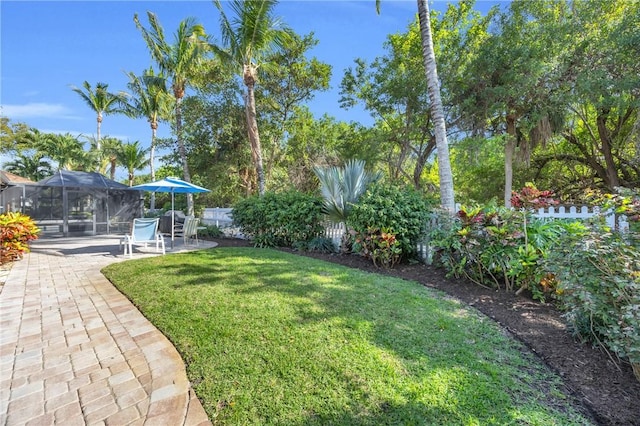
{"x":74,"y":350}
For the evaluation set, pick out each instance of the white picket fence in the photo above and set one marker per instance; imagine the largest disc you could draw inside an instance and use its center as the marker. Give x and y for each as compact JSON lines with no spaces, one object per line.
{"x":218,"y":216}
{"x":221,"y":217}
{"x":335,"y":231}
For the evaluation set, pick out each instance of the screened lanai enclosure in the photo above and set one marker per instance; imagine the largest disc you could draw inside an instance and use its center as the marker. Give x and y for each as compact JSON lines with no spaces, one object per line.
{"x":70,"y":204}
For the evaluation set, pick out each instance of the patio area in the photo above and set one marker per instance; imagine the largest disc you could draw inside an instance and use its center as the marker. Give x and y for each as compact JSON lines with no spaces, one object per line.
{"x":75,"y":351}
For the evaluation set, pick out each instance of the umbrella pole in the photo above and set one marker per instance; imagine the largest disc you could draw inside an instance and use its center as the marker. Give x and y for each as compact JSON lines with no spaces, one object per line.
{"x":173,"y":218}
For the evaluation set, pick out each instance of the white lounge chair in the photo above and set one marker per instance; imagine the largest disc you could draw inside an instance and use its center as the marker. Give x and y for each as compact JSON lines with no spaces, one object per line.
{"x":143,"y":232}
{"x":189,"y":230}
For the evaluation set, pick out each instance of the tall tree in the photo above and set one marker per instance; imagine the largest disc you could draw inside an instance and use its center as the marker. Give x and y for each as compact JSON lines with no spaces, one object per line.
{"x":447,"y":199}
{"x":291,"y":82}
{"x":151,"y":100}
{"x":445,"y":174}
{"x":132,"y":157}
{"x":178,"y":61}
{"x":101,"y":101}
{"x":247,"y":39}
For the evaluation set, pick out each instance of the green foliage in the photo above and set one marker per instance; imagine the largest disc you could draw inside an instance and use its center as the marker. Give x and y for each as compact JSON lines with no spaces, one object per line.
{"x":399,"y":211}
{"x":279,"y":219}
{"x":210,"y":231}
{"x":379,"y":245}
{"x":322,"y":245}
{"x":16,"y":230}
{"x":489,"y":246}
{"x":598,"y":275}
{"x":342,"y":186}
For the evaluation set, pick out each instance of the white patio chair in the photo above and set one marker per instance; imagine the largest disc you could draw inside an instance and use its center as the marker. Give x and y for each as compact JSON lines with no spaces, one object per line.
{"x":143,"y":232}
{"x":189,"y":230}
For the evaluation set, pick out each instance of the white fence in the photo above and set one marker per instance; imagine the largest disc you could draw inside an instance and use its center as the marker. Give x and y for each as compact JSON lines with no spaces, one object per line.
{"x":218,"y":216}
{"x":614,"y":221}
{"x":221,"y":217}
{"x":335,"y":231}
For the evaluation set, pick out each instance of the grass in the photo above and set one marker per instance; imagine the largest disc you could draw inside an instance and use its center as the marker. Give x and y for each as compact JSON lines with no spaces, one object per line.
{"x":278,"y":339}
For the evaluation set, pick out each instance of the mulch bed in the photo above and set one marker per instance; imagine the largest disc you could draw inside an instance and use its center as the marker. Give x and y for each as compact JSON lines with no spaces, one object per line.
{"x":605,"y":386}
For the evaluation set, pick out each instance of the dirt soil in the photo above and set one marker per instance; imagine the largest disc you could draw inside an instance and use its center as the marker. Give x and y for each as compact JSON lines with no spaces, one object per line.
{"x":604,"y":385}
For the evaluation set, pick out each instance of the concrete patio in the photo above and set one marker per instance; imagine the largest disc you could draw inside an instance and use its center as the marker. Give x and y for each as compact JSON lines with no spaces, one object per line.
{"x":75,"y":351}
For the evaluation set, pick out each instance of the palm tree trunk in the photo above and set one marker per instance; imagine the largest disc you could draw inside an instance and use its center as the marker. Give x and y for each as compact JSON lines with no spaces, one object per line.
{"x":437,"y":111}
{"x":509,"y":154}
{"x":254,"y":137}
{"x":183,"y":153}
{"x":152,"y":169}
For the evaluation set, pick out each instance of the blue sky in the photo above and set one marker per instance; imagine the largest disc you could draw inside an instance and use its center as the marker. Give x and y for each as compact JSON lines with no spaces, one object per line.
{"x":48,"y":46}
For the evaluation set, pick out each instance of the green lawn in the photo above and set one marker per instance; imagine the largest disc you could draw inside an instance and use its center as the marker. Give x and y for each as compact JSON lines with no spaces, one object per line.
{"x":273,"y":338}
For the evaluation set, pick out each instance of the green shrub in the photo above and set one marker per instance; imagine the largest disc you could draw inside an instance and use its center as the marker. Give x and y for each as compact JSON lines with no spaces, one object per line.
{"x":16,"y":230}
{"x":401,"y":212}
{"x":280,"y":219}
{"x":598,"y":275}
{"x":321,"y":245}
{"x":381,"y":246}
{"x":210,"y":231}
{"x":499,"y":248}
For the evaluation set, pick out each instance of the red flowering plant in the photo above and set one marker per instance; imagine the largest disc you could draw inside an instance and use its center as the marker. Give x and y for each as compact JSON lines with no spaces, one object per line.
{"x":531,"y":197}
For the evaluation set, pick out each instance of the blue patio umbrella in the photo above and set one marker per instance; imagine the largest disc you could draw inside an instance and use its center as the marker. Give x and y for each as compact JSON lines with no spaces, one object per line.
{"x":174,"y":186}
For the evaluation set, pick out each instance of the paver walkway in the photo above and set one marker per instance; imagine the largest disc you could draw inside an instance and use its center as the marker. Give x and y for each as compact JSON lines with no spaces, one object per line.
{"x":75,"y":351}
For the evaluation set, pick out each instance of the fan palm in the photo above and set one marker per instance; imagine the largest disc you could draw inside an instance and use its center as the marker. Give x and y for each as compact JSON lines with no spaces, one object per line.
{"x":252,"y":34}
{"x":342,"y":186}
{"x":178,"y":61}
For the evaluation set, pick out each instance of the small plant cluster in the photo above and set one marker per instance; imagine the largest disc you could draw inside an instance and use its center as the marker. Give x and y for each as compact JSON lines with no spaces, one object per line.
{"x":280,"y":219}
{"x":530,"y":197}
{"x":381,"y":246}
{"x":387,"y":222}
{"x":16,"y":230}
{"x":491,"y":246}
{"x":210,"y":231}
{"x":598,"y":276}
{"x":502,"y":248}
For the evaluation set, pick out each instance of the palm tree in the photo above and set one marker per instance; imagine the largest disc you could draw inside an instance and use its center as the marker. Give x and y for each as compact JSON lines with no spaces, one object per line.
{"x":150,"y":100}
{"x":132,"y":157}
{"x":437,"y":111}
{"x":110,"y":149}
{"x":178,"y":61}
{"x":253,"y":34}
{"x":101,"y":101}
{"x":32,"y":166}
{"x":342,"y":186}
{"x":66,"y":150}
{"x":445,"y":174}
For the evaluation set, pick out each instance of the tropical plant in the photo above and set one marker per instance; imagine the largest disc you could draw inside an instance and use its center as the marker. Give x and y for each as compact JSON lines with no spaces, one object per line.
{"x":447,"y":199}
{"x":248,"y":38}
{"x":101,"y":101}
{"x":66,"y":150}
{"x":133,"y":158}
{"x":389,"y":219}
{"x":342,"y":186}
{"x":151,"y":100}
{"x":16,"y":230}
{"x":30,"y":165}
{"x":178,"y":61}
